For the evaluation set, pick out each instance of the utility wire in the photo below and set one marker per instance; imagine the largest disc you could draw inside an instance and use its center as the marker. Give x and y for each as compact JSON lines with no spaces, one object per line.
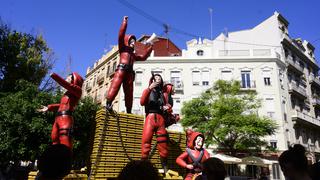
{"x":315,"y":40}
{"x":168,"y":27}
{"x":155,"y":20}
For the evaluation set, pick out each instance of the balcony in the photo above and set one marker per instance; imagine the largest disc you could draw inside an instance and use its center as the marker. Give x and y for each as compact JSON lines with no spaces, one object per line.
{"x":291,"y":64}
{"x":100,"y":78}
{"x":297,"y":90}
{"x":88,"y":86}
{"x":316,"y":101}
{"x":314,"y":80}
{"x":178,"y":86}
{"x":305,"y":118}
{"x":248,"y":85}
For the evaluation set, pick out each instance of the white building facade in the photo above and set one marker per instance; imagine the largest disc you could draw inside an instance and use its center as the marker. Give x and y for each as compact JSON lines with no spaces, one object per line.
{"x":282,"y":71}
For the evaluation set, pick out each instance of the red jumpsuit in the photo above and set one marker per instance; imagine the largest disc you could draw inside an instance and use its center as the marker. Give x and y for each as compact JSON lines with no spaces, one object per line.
{"x":170,"y":118}
{"x":153,"y":100}
{"x":63,"y":124}
{"x":191,"y":155}
{"x":124,"y":73}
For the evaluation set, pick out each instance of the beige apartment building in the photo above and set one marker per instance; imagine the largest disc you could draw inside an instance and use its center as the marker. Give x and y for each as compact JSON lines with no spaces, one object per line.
{"x":98,"y":77}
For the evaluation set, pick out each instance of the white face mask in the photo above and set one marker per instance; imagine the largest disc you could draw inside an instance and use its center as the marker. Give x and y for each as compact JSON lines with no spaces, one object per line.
{"x":69,"y":79}
{"x":157,"y":79}
{"x":199,"y":142}
{"x":132,"y":43}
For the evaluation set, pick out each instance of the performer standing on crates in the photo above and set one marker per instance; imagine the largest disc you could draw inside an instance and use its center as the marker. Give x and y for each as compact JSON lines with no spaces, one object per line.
{"x":153,"y":100}
{"x":63,"y":125}
{"x":194,"y":155}
{"x":124,"y":73}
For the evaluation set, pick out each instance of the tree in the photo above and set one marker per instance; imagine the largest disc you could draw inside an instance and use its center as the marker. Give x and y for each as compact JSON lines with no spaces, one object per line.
{"x":84,"y":116}
{"x":22,"y":56}
{"x":228,"y":117}
{"x":25,"y":133}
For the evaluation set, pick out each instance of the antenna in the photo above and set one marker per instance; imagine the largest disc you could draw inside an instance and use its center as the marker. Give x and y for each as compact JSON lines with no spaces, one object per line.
{"x":166,"y":31}
{"x":68,"y":65}
{"x":210,"y":12}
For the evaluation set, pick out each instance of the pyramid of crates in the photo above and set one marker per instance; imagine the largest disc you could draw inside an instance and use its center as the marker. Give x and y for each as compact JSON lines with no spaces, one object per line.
{"x":118,"y":138}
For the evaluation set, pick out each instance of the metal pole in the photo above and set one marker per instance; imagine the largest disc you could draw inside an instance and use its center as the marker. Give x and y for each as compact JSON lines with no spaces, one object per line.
{"x":210,"y":11}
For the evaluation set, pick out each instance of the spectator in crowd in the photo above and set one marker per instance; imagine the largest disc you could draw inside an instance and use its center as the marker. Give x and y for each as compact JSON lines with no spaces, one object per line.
{"x":294,"y":163}
{"x":213,"y":169}
{"x":315,"y":171}
{"x":139,"y":170}
{"x":55,"y":162}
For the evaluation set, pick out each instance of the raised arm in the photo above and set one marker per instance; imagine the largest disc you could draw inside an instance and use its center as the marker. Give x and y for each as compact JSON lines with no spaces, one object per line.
{"x":122,"y":32}
{"x":73,"y":89}
{"x":145,"y":55}
{"x":146,"y":93}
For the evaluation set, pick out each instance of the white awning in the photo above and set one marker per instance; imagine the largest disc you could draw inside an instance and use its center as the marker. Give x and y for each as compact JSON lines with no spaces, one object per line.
{"x":227,"y":159}
{"x":253,"y":160}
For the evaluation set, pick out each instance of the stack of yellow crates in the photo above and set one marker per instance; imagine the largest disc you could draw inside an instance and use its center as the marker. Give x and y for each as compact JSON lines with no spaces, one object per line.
{"x":109,"y":155}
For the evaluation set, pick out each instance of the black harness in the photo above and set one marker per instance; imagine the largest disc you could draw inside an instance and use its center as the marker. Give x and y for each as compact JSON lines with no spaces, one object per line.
{"x":196,"y":161}
{"x":156,"y":101}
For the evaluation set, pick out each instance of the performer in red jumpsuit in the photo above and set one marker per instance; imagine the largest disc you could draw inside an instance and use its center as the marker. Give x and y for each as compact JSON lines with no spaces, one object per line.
{"x":194,"y":155}
{"x":63,"y":124}
{"x":170,"y":118}
{"x":153,"y":100}
{"x":124,"y":73}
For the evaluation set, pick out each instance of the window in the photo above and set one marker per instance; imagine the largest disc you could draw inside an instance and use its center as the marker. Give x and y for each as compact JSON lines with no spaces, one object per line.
{"x":286,"y":52}
{"x":226,"y":75}
{"x":205,"y":78}
{"x":245,"y":79}
{"x":285,"y":117}
{"x":266,"y":73}
{"x":175,"y":79}
{"x":176,"y":105}
{"x":114,"y":66}
{"x":276,"y":171}
{"x":108,"y":71}
{"x":94,"y":80}
{"x":200,"y":52}
{"x":267,"y":81}
{"x":273,"y":144}
{"x":196,"y":78}
{"x":138,"y":78}
{"x":269,"y":106}
{"x":205,"y":83}
{"x":157,"y":72}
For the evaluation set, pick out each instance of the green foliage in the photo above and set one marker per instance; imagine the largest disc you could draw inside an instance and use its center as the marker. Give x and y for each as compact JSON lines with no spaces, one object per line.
{"x":84,"y":117}
{"x":24,"y":132}
{"x":22,"y":56}
{"x":228,"y":117}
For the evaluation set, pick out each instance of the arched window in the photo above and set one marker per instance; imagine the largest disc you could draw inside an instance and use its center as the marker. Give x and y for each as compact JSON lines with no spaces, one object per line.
{"x":200,"y":52}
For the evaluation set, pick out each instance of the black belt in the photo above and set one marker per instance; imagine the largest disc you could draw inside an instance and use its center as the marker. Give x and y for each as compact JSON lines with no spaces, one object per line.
{"x":125,"y":67}
{"x":156,"y":111}
{"x":60,"y":113}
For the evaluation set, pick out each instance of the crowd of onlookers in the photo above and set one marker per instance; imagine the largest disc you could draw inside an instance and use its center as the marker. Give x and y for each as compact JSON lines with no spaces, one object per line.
{"x":55,"y":163}
{"x":293,"y":163}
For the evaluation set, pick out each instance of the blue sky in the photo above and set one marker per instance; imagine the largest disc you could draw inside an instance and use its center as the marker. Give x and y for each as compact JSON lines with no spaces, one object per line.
{"x":83,"y":29}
